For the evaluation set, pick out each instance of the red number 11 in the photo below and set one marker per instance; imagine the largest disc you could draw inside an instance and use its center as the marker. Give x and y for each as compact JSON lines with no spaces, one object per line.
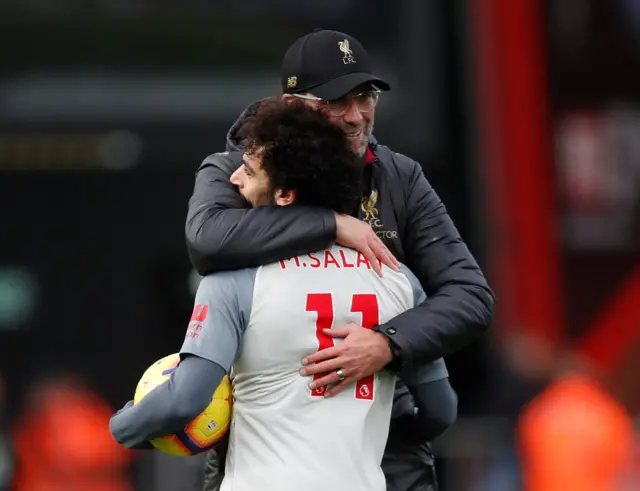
{"x":322,"y":304}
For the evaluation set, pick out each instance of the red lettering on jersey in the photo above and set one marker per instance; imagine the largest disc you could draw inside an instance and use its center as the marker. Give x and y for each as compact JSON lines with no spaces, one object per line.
{"x":330,"y":259}
{"x":367,"y":305}
{"x":322,"y":304}
{"x":283,"y":264}
{"x":362,"y":261}
{"x":345,"y":263}
{"x":195,"y":327}
{"x":325,"y":262}
{"x":200,"y":313}
{"x":316,"y":262}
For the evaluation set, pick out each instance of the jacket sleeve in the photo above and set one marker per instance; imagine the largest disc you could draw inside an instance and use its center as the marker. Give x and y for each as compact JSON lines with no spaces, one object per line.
{"x":459,"y":301}
{"x":222,"y":233}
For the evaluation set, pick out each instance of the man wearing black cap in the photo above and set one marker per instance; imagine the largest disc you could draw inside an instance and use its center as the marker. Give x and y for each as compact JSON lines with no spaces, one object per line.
{"x":328,"y":62}
{"x":399,"y":213}
{"x":327,"y":68}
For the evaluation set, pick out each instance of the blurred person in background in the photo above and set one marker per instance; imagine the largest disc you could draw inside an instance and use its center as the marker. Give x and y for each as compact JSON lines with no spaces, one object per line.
{"x":522,"y":364}
{"x":399,"y":213}
{"x":62,"y":440}
{"x":578,"y":434}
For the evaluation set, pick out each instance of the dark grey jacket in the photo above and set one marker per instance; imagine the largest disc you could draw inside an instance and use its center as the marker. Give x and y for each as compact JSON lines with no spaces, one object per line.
{"x":405,"y":211}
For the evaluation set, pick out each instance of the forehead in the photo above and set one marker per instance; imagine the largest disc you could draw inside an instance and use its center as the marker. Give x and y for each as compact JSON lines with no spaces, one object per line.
{"x":253,"y":158}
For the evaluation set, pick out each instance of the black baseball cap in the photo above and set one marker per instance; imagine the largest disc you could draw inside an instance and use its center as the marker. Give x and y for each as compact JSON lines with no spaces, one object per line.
{"x":328,"y":64}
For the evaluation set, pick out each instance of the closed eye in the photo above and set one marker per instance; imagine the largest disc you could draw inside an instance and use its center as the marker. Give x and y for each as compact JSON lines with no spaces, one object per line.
{"x":247,"y":171}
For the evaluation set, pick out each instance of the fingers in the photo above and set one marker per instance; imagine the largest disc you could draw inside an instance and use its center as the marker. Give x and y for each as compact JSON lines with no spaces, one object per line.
{"x":370,"y":256}
{"x":352,"y":232}
{"x":322,"y":355}
{"x":323,"y":367}
{"x":382,"y":255}
{"x":337,"y":332}
{"x":385,"y":256}
{"x":329,"y":378}
{"x":339,"y":387}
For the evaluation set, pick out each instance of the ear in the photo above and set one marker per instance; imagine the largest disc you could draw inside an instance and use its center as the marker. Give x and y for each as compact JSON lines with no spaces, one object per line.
{"x":287,"y":98}
{"x":284,"y":198}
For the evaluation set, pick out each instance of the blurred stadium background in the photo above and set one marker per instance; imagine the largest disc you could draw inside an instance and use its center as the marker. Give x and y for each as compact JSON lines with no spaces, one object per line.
{"x":524,"y":113}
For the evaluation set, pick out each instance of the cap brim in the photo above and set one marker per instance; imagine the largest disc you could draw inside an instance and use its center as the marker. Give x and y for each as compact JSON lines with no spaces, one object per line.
{"x":341,"y":86}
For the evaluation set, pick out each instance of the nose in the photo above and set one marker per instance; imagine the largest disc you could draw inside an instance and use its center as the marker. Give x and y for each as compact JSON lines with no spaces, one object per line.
{"x":353,"y":115}
{"x":235,"y":178}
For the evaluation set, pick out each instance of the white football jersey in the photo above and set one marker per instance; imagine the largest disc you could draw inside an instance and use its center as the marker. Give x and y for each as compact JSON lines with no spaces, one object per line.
{"x":262,"y":323}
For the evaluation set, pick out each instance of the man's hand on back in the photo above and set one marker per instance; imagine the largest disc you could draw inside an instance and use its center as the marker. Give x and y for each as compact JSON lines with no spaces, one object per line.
{"x":358,"y":235}
{"x":361,"y":353}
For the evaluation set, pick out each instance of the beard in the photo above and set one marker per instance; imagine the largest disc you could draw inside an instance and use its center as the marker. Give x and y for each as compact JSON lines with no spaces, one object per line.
{"x":361,"y":149}
{"x":265,"y":197}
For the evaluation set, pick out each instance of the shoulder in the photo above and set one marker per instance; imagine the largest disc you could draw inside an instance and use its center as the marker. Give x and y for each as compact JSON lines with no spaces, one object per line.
{"x":397,"y":167}
{"x":390,"y":160}
{"x":225,"y":161}
{"x":418,"y":292}
{"x":228,"y":279}
{"x":228,"y":288}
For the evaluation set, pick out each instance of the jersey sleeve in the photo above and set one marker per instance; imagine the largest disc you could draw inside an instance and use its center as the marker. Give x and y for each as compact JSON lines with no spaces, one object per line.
{"x":220,"y":315}
{"x":429,"y":372}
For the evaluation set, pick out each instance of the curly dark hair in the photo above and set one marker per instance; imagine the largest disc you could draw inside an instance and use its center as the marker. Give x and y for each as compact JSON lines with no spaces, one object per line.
{"x":304,"y":152}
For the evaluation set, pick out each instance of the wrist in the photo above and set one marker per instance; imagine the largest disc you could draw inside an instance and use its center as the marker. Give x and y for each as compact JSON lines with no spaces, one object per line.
{"x":334,"y":224}
{"x":395,"y":354}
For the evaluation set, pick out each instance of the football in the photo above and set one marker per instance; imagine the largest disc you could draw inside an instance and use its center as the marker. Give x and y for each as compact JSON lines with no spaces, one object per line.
{"x":204,"y":431}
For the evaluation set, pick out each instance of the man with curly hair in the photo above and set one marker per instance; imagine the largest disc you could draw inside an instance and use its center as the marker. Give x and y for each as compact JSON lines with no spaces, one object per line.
{"x":399,"y":215}
{"x":293,"y":154}
{"x":261,"y":321}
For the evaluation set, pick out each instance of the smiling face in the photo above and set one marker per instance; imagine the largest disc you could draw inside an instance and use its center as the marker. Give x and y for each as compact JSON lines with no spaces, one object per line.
{"x":354,"y":114}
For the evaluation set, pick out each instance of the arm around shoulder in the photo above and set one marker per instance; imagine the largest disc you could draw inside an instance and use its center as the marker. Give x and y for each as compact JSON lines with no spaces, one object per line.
{"x":223,"y":233}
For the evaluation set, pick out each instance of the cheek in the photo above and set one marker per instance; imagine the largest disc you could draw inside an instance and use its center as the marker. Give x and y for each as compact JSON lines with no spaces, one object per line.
{"x":337,"y":120}
{"x":262,"y":192}
{"x":247,"y":189}
{"x":368,"y":120}
{"x":255,"y":192}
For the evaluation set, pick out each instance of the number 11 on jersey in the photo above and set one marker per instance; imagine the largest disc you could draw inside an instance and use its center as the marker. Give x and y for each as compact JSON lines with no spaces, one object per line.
{"x":363,"y":303}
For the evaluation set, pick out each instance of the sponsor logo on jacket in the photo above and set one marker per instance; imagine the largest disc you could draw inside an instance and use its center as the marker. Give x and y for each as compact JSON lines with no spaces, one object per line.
{"x":372,"y":216}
